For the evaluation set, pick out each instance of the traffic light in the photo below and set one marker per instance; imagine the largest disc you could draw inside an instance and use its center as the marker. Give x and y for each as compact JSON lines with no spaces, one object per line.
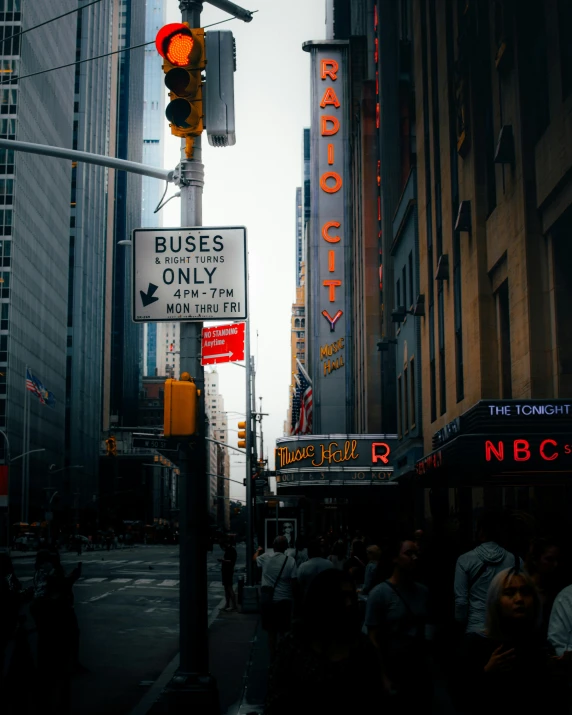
{"x":111,"y":445}
{"x":181,"y":407}
{"x":242,"y":435}
{"x":184,"y":56}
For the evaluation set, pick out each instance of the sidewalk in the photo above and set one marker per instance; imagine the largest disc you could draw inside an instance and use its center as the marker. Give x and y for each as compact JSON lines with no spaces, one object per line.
{"x":238,"y":661}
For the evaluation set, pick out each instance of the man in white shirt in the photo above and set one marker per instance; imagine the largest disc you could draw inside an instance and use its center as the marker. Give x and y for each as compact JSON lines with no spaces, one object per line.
{"x":560,"y":626}
{"x":278,"y":572}
{"x":310,"y":569}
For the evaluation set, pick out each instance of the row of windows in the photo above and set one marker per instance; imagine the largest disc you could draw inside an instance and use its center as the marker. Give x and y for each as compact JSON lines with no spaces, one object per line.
{"x":404,"y":287}
{"x":10,"y":46}
{"x":10,"y":6}
{"x":406,"y":407}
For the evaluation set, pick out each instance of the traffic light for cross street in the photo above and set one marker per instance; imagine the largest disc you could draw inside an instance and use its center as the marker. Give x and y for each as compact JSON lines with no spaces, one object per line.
{"x":111,"y":446}
{"x":183,"y":52}
{"x":181,"y":407}
{"x":242,"y":435}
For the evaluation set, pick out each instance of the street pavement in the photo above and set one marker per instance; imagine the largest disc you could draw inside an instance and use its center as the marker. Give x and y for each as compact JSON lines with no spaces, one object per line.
{"x":127,"y":605}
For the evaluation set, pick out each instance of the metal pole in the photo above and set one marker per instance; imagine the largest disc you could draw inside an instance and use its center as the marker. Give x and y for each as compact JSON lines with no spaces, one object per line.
{"x":194,"y":647}
{"x":249,"y":449}
{"x":85,"y":156}
{"x":7,"y":463}
{"x":261,"y":434}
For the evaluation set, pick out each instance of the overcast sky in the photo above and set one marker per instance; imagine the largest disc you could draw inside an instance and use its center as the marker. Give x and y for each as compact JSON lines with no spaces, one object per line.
{"x":253,"y":184}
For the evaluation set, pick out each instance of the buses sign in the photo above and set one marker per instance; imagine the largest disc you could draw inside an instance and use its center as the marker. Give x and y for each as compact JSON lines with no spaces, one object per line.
{"x":189,"y":274}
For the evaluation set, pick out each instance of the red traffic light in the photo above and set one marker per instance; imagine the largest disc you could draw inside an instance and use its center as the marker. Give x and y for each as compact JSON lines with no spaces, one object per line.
{"x":175,"y":43}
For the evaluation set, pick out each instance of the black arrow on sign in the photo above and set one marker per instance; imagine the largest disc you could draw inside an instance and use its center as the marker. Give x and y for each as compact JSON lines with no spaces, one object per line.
{"x":147,"y":298}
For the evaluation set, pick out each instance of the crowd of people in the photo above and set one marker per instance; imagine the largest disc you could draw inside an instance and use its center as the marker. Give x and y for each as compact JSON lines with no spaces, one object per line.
{"x":370,"y":626}
{"x":51,"y":606}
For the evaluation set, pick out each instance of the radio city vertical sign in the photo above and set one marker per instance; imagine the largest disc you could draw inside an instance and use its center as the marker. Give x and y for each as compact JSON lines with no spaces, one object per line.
{"x":328,"y":251}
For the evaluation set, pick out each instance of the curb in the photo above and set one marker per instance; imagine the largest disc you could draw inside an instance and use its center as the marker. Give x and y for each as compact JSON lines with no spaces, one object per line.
{"x":152,"y":695}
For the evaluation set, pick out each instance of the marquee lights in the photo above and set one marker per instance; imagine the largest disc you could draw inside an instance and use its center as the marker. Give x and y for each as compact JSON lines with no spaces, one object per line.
{"x":521,"y":451}
{"x":330,"y":181}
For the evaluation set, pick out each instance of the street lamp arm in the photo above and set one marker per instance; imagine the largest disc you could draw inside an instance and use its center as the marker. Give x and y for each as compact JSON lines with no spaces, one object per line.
{"x":61,"y":469}
{"x":224,"y":444}
{"x":32,"y":451}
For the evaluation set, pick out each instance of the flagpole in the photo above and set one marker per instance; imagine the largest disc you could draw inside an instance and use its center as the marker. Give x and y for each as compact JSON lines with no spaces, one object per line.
{"x":25,"y":449}
{"x":28,"y":462}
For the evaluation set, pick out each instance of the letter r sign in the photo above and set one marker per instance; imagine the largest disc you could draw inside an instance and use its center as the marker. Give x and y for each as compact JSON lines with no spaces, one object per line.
{"x":377,"y":456}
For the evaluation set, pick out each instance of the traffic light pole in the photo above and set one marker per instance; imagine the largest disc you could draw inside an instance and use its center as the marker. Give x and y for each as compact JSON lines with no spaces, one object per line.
{"x":192,"y":685}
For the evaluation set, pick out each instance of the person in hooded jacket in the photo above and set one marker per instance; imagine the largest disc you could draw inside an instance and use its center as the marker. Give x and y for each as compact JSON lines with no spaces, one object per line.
{"x":475,"y":571}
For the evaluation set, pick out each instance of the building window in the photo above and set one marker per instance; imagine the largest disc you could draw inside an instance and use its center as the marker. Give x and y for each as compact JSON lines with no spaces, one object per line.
{"x":397,"y":294}
{"x":411,"y":278}
{"x":412,"y":391}
{"x":429,"y":218}
{"x":536,"y":12}
{"x":405,"y":401}
{"x":456,"y":240}
{"x":399,"y":406}
{"x":503,"y":329}
{"x":404,"y":278}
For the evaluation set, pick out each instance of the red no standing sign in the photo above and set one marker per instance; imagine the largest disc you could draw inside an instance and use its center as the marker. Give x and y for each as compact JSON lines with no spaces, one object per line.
{"x":223,"y":343}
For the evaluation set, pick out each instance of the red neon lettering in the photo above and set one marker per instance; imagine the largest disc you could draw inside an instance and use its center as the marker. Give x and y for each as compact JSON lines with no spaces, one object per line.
{"x":543,"y":453}
{"x":491,"y":450}
{"x":330,"y":154}
{"x":333,"y":130}
{"x":375,"y":457}
{"x":326,"y":236}
{"x":332,"y":285}
{"x":330,"y":72}
{"x":521,"y":450}
{"x":337,"y":182}
{"x":330,"y":97}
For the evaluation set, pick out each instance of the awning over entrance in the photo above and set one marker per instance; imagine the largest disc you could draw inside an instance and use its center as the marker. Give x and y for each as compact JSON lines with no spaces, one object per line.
{"x":503,"y":442}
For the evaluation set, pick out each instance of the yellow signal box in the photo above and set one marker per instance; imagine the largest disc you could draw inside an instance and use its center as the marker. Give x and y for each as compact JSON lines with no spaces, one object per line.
{"x":181,"y":407}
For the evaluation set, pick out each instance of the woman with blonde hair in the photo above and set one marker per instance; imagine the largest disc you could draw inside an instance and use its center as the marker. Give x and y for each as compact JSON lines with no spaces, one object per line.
{"x":509,"y":666}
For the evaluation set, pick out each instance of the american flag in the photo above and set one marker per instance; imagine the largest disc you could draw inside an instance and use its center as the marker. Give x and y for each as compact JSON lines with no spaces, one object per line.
{"x":302,"y":404}
{"x":35,"y":386}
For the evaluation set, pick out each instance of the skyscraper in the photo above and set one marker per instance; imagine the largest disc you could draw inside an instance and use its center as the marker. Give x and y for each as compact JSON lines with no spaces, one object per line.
{"x":88,"y":236}
{"x":126,"y":339}
{"x":34,"y":226}
{"x":153,"y":127}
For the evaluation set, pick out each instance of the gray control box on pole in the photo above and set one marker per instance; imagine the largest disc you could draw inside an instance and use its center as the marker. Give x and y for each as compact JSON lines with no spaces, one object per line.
{"x":219,"y":89}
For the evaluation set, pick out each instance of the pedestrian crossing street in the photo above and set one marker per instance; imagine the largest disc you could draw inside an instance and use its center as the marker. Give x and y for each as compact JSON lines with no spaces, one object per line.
{"x":119,"y":562}
{"x":142,"y":582}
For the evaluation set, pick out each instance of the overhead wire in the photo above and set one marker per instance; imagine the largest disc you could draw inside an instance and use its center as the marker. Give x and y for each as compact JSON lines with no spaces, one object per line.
{"x":47,"y":22}
{"x":98,"y":57}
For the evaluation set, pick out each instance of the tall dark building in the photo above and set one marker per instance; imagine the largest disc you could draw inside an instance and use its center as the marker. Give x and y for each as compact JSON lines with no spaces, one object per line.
{"x":127,"y":336}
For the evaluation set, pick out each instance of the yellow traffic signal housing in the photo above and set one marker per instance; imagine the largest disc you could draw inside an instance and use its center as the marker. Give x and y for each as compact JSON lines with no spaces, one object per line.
{"x":111,"y":446}
{"x":181,"y":407}
{"x":183,"y":50}
{"x":242,"y":435}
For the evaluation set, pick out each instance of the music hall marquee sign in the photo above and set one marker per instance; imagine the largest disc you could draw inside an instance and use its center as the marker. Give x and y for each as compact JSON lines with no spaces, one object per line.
{"x":334,"y":459}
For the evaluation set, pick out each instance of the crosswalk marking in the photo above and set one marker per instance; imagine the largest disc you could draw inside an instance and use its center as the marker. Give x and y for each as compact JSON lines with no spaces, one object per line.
{"x":167,"y":563}
{"x":141,"y":581}
{"x":121,"y":580}
{"x":169,"y":582}
{"x":135,"y":562}
{"x":94,"y":580}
